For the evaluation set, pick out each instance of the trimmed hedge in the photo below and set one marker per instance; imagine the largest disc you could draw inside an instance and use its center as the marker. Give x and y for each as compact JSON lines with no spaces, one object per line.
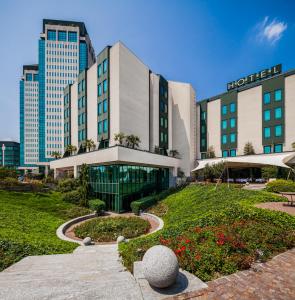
{"x":97,"y":205}
{"x":72,"y":197}
{"x":281,"y":185}
{"x":143,"y":203}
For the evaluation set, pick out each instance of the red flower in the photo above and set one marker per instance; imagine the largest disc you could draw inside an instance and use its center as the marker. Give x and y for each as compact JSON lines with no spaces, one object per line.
{"x":183,"y":248}
{"x":220,"y":242}
{"x":187,"y":241}
{"x":198,"y":256}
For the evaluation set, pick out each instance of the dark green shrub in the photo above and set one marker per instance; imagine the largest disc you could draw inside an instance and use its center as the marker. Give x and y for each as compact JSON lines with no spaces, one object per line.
{"x":281,"y":185}
{"x":97,"y":205}
{"x":9,"y":181}
{"x":67,"y":185}
{"x":4,"y":173}
{"x":72,"y":197}
{"x":143,"y":203}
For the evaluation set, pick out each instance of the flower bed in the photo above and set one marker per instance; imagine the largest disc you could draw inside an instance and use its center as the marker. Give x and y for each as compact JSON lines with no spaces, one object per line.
{"x":108,"y":229}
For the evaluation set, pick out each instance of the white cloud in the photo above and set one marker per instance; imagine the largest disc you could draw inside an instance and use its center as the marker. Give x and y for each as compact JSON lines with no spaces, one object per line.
{"x":270,"y":31}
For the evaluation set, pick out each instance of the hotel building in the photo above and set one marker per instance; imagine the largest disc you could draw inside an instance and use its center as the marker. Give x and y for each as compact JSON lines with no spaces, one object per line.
{"x":120,"y":94}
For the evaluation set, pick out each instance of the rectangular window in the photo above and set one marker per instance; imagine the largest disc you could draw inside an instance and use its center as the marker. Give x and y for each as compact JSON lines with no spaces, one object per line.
{"x":224,"y":109}
{"x":278,"y":95}
{"x":105,"y":105}
{"x":99,"y":70}
{"x":224,"y":124}
{"x":203,"y":129}
{"x":105,"y":65}
{"x":162,"y":137}
{"x":99,"y":127}
{"x":278,"y":113}
{"x":83,"y":85}
{"x":224,"y":153}
{"x":166,"y":123}
{"x":266,"y":98}
{"x":161,"y":122}
{"x":278,"y":148}
{"x":278,"y":130}
{"x":224,"y":139}
{"x":203,"y":155}
{"x":166,"y":137}
{"x":99,"y":108}
{"x":232,"y":107}
{"x":266,"y":132}
{"x":233,"y":152}
{"x":29,"y":77}
{"x":267,"y":115}
{"x":36,"y":77}
{"x":62,"y":36}
{"x":203,"y":142}
{"x":267,"y":149}
{"x":99,"y":90}
{"x":232,"y":122}
{"x":79,"y":87}
{"x":105,"y":86}
{"x":105,"y":125}
{"x":72,"y":36}
{"x":51,"y":35}
{"x":203,"y":115}
{"x":232,"y":137}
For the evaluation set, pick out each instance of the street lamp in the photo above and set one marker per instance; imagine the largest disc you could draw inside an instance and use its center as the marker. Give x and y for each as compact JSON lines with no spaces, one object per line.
{"x":3,"y":155}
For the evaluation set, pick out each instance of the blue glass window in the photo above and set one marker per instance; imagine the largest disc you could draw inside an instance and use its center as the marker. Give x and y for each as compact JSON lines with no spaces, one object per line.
{"x":203,"y":142}
{"x":278,"y":95}
{"x":36,"y":77}
{"x":267,"y":149}
{"x":233,"y":152}
{"x":99,"y":108}
{"x":203,"y":115}
{"x":224,"y":109}
{"x":278,"y":148}
{"x":266,"y":98}
{"x":99,"y":70}
{"x":51,"y":35}
{"x":224,"y":139}
{"x":72,"y":36}
{"x":62,"y":36}
{"x":105,"y":86}
{"x":203,"y":129}
{"x":224,"y":153}
{"x":105,"y":125}
{"x":29,"y":77}
{"x":99,"y":90}
{"x":99,"y":127}
{"x":278,"y":130}
{"x":232,"y":122}
{"x":224,"y":124}
{"x":232,"y":137}
{"x":105,"y":105}
{"x":105,"y":65}
{"x":232,"y":107}
{"x":278,"y":113}
{"x":267,"y":115}
{"x":266,"y":132}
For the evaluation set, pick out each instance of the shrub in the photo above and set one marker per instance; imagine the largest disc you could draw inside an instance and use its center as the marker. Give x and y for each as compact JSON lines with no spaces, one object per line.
{"x":281,"y":185}
{"x":67,"y":185}
{"x":4,"y":173}
{"x":97,"y":205}
{"x":143,"y":203}
{"x":72,"y":197}
{"x":9,"y":181}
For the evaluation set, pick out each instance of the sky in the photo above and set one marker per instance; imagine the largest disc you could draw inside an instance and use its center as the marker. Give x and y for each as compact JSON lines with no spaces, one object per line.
{"x":206,"y":43}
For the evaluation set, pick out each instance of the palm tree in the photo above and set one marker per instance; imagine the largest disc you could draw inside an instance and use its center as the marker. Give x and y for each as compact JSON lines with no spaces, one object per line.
{"x":120,"y":137}
{"x":71,"y":149}
{"x":55,"y":154}
{"x":89,"y":144}
{"x":249,"y":149}
{"x":132,"y":141}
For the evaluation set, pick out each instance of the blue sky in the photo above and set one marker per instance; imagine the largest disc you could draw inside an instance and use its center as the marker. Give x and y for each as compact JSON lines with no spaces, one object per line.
{"x":206,"y":43}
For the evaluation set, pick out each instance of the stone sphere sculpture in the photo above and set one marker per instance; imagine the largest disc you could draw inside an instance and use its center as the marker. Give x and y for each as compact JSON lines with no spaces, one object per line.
{"x":87,"y":241}
{"x":120,"y":239}
{"x":160,"y":266}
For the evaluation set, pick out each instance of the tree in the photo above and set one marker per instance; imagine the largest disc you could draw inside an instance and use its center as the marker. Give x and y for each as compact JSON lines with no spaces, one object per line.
{"x":132,"y":141}
{"x":55,"y":154}
{"x":84,"y":185}
{"x":174,"y":153}
{"x":249,"y":149}
{"x":71,"y":149}
{"x":269,"y":172}
{"x":89,"y":145}
{"x":120,"y":137}
{"x":210,"y":152}
{"x":213,"y":171}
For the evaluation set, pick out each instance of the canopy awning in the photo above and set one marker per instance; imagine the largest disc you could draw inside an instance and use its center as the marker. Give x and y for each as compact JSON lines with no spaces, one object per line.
{"x":285,"y":160}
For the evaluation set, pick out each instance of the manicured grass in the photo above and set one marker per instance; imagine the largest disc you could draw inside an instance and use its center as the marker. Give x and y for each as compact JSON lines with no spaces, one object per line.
{"x":28,"y":223}
{"x":216,"y":232}
{"x":109,"y":229}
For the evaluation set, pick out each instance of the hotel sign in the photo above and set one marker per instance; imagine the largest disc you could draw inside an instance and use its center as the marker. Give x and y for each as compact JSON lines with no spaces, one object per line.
{"x":255,"y":77}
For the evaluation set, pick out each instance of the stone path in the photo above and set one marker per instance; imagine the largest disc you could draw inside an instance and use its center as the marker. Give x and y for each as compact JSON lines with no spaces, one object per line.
{"x":92,"y":272}
{"x":272,"y":280}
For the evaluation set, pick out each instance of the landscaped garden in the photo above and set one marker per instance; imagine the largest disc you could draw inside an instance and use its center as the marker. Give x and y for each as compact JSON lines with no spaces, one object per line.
{"x":215,"y":232}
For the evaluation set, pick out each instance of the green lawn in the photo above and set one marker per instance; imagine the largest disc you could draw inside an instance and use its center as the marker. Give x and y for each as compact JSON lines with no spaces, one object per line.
{"x":28,"y":223}
{"x":216,"y":232}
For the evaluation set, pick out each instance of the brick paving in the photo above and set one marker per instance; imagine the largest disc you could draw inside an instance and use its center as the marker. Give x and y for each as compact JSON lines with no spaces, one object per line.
{"x":274,"y":279}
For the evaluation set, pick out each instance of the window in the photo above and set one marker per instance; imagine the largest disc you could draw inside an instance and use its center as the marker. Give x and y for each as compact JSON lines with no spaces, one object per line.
{"x":72,"y":36}
{"x":278,"y":148}
{"x":161,"y":122}
{"x":99,"y":70}
{"x":203,"y":115}
{"x":99,"y":127}
{"x":232,"y":122}
{"x":83,"y":85}
{"x":224,"y":153}
{"x":79,"y":87}
{"x":29,"y":77}
{"x":36,"y":77}
{"x":278,"y":130}
{"x":99,"y":108}
{"x":224,"y":139}
{"x":278,"y":113}
{"x":224,"y":124}
{"x":233,"y":152}
{"x":266,"y":132}
{"x":203,"y":129}
{"x":162,"y":137}
{"x":62,"y":36}
{"x":232,"y":107}
{"x":51,"y":35}
{"x":224,"y":109}
{"x":105,"y":65}
{"x":105,"y":105}
{"x":105,"y":86}
{"x":267,"y":115}
{"x":203,"y":155}
{"x":105,"y":125}
{"x":232,"y":137}
{"x":267,"y":149}
{"x":278,"y":95}
{"x":99,"y":90}
{"x":166,"y":123}
{"x":203,"y":142}
{"x":266,"y":98}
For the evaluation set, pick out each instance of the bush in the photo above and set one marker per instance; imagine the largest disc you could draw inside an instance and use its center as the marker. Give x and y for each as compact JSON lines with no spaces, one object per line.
{"x":4,"y":173}
{"x":67,"y":185}
{"x":72,"y":197}
{"x":281,"y":185}
{"x":9,"y":181}
{"x":143,"y":203}
{"x":97,"y":205}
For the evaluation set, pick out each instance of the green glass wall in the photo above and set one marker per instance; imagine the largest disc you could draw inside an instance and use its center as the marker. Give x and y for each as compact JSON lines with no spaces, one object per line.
{"x":119,"y":185}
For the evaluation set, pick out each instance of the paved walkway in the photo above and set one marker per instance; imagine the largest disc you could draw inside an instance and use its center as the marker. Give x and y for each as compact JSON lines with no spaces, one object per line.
{"x":272,"y":280}
{"x":279,"y":206}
